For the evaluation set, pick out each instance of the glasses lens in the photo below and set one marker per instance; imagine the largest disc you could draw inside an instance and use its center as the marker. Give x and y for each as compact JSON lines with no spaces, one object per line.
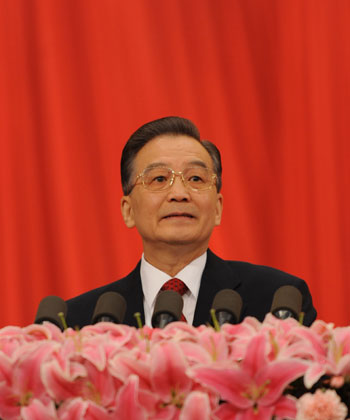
{"x":157,"y":179}
{"x":160,"y":178}
{"x":198,"y":178}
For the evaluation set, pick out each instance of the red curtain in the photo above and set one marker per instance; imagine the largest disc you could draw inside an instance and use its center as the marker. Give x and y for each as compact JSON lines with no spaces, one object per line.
{"x":267,"y":81}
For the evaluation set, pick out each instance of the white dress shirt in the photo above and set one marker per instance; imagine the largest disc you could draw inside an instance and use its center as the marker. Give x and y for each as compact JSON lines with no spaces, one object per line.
{"x":152,"y":280}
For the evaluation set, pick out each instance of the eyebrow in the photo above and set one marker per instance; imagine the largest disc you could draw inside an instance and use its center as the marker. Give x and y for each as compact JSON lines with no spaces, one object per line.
{"x":163,"y":164}
{"x":198,"y":163}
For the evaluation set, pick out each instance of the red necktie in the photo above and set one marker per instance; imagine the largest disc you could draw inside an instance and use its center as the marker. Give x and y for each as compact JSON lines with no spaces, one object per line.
{"x":178,"y":286}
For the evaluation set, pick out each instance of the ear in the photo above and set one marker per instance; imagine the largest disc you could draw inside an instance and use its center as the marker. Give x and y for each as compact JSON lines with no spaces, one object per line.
{"x":218,"y":212}
{"x":127,"y":211}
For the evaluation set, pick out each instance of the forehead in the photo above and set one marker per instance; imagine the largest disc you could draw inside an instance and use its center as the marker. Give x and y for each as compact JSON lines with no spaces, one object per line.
{"x":172,"y":150}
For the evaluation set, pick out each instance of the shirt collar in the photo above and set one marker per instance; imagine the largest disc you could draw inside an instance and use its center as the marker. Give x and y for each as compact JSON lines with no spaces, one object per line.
{"x":153,"y":279}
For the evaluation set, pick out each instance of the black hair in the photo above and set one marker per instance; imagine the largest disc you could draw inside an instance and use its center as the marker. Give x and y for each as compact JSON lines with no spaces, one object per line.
{"x":176,"y":126}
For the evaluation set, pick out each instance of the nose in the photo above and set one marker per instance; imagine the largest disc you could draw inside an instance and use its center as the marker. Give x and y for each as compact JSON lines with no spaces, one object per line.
{"x":178,"y":190}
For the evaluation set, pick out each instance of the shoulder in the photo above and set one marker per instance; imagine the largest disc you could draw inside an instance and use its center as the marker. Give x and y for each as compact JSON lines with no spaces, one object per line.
{"x":247,"y":272}
{"x":80,"y":308}
{"x":264,"y":278}
{"x":253,"y":272}
{"x":118,"y":286}
{"x":257,"y":285}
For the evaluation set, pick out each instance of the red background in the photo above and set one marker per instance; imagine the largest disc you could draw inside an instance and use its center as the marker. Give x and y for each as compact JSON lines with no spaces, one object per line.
{"x":267,"y":81}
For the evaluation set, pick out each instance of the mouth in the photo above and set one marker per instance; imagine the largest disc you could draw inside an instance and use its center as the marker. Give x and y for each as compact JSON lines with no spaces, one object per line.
{"x":178,"y":215}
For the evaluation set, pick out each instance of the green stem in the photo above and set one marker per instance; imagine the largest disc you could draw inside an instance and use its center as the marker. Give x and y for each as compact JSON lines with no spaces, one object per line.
{"x":214,"y":319}
{"x":63,"y":320}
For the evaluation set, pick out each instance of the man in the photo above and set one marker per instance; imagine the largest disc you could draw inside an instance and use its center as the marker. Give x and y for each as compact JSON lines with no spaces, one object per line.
{"x":171,"y":182}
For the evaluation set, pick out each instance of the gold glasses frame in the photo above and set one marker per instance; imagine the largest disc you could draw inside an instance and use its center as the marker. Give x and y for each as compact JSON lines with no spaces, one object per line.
{"x":170,"y":182}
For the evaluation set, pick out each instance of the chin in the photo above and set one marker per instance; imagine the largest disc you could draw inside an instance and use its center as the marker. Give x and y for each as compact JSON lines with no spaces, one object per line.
{"x":177,"y":240}
{"x":181,"y":240}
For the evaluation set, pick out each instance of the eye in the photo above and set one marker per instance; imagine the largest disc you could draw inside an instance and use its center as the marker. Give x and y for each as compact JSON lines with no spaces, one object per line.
{"x":159,"y":179}
{"x":195,"y":178}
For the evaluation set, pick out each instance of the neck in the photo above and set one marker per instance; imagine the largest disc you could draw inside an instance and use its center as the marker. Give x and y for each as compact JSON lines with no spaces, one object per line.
{"x":172,"y":259}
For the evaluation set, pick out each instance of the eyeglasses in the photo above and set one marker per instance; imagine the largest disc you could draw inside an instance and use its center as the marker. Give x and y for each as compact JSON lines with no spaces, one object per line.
{"x":161,"y":178}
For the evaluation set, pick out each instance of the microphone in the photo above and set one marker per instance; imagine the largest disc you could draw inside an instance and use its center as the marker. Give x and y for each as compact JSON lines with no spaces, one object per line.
{"x":168,"y":308}
{"x":287,"y":302}
{"x":48,"y":310}
{"x":227,"y":305}
{"x":110,"y":307}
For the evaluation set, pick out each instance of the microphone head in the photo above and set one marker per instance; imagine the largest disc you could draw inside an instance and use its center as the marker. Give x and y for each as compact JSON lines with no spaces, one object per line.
{"x":287,"y":302}
{"x":168,"y":303}
{"x":110,"y":306}
{"x":228,"y":302}
{"x":48,"y":310}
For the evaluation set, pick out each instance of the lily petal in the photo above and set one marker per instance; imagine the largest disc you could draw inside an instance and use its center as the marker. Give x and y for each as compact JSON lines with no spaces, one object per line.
{"x":127,"y":401}
{"x":231,"y":384}
{"x":168,"y":370}
{"x":196,"y":407}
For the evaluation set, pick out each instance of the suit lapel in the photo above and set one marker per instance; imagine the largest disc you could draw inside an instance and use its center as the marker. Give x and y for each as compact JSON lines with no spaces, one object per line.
{"x":217,"y":275}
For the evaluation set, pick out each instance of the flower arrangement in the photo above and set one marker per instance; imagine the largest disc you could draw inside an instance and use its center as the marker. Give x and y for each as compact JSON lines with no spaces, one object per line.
{"x":250,"y":371}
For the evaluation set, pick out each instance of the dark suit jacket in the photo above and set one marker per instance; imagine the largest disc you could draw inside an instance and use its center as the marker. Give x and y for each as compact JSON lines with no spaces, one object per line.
{"x":255,"y":283}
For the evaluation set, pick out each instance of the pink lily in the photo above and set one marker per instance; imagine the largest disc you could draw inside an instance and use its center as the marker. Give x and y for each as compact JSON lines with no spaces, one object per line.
{"x":45,"y":331}
{"x":238,"y":336}
{"x":215,"y":344}
{"x":210,"y":347}
{"x":80,"y":409}
{"x":175,"y":331}
{"x":21,"y":378}
{"x":162,"y":382}
{"x":168,"y":373}
{"x":125,"y":365}
{"x":37,"y":410}
{"x":315,"y":350}
{"x":287,"y":339}
{"x":77,"y":370}
{"x":253,"y":388}
{"x":170,"y":380}
{"x":122,"y":365}
{"x":128,"y":406}
{"x":322,"y":329}
{"x":330,"y":350}
{"x":196,"y":407}
{"x":79,"y":378}
{"x":339,"y":353}
{"x":11,"y":339}
{"x":120,"y":335}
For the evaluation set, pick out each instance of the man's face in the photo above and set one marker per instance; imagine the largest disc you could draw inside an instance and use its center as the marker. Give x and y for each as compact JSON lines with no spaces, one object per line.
{"x":178,"y":215}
